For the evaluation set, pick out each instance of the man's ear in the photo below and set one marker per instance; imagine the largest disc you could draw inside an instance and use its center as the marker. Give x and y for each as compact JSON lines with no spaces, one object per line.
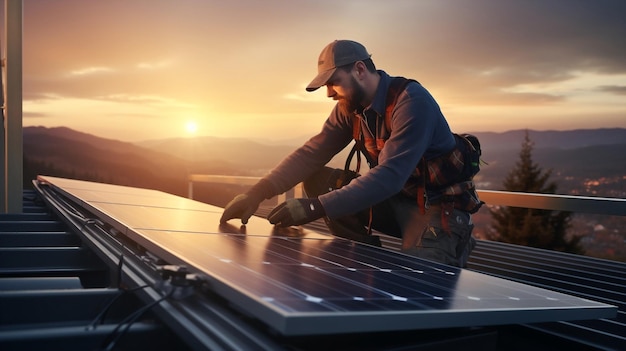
{"x":359,"y":69}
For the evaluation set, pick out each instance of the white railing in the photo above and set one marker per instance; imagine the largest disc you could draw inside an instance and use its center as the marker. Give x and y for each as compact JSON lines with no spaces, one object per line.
{"x":582,"y":204}
{"x":571,"y":203}
{"x":239,"y":180}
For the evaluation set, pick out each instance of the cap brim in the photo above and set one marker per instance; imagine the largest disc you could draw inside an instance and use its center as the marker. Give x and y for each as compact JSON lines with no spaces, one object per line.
{"x":320,"y":80}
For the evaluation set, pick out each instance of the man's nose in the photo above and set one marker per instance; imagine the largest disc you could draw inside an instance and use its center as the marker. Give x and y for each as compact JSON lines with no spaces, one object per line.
{"x":330,"y":92}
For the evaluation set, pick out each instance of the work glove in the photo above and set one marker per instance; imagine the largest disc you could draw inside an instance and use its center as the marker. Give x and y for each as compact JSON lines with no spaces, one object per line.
{"x":296,"y":212}
{"x":244,"y":205}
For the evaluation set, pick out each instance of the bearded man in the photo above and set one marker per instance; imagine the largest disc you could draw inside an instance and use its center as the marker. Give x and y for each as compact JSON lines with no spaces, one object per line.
{"x":394,"y":142}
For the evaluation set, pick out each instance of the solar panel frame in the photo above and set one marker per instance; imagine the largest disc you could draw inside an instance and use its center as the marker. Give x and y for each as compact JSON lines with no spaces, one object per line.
{"x":300,"y":282}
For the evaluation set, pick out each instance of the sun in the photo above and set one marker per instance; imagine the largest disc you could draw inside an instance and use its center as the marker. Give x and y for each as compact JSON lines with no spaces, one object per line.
{"x":191,"y":127}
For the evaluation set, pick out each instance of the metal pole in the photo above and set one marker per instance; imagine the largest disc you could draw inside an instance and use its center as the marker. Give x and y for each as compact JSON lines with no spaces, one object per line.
{"x":13,"y":108}
{"x":190,"y":188}
{"x":3,"y":166}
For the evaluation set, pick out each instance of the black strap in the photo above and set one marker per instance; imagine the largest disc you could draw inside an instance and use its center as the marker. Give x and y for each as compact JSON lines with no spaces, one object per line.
{"x":359,"y":149}
{"x":355,"y":151}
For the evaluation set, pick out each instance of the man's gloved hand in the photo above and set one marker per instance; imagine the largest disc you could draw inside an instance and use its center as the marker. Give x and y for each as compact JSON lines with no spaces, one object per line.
{"x":244,"y":205}
{"x":296,"y":212}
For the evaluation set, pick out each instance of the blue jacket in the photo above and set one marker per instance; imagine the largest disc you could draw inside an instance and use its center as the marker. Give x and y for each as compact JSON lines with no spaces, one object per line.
{"x":418,"y":129}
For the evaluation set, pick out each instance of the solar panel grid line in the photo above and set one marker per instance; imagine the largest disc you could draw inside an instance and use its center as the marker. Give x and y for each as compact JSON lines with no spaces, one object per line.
{"x":311,"y":271}
{"x":391,"y":271}
{"x":302,"y":283}
{"x":287,"y":266}
{"x":611,"y":327}
{"x":223,"y":265}
{"x":563,"y":259}
{"x":585,"y":290}
{"x":295,"y":316}
{"x":596,"y":339}
{"x":316,"y":306}
{"x":319,"y":255}
{"x":421,"y":271}
{"x":558,"y":260}
{"x":545,"y":269}
{"x":350,"y":281}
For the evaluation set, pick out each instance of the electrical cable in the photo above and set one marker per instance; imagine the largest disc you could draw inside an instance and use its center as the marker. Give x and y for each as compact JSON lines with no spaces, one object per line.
{"x":120,"y":266}
{"x":100,"y":317}
{"x":111,"y":340}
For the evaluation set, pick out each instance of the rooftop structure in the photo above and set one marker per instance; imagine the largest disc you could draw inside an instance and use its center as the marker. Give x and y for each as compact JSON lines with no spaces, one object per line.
{"x":78,"y":272}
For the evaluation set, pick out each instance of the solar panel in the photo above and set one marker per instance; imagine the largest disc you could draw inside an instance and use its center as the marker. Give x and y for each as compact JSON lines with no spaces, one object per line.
{"x":300,"y":282}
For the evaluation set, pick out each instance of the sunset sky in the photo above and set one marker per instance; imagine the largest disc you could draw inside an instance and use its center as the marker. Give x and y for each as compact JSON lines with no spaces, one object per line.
{"x":148,"y":69}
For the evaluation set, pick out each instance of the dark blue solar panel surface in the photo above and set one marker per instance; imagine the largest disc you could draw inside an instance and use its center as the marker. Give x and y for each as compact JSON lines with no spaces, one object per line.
{"x":300,"y":282}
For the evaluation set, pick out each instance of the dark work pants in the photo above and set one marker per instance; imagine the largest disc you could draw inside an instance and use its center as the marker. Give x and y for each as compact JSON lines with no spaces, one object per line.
{"x":422,"y":234}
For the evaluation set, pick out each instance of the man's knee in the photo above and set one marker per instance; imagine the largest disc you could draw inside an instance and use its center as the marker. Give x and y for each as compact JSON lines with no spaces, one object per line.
{"x":452,"y":246}
{"x":435,"y":245}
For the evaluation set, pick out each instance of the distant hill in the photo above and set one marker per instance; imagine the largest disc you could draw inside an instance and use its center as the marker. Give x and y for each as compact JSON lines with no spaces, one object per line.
{"x":569,"y":139}
{"x":574,"y":156}
{"x":254,"y":157}
{"x":577,"y":154}
{"x":68,"y":153}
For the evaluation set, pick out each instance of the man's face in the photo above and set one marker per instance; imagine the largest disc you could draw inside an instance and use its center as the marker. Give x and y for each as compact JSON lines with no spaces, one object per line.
{"x":345,"y":89}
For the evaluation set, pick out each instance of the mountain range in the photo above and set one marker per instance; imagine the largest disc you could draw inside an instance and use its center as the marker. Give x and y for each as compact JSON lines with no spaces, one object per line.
{"x":164,"y":164}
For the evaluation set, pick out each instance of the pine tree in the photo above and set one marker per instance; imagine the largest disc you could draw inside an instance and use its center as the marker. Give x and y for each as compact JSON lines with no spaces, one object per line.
{"x":545,"y":229}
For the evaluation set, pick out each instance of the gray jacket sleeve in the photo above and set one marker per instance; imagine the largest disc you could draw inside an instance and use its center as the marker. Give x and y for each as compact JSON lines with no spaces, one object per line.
{"x":335,"y":135}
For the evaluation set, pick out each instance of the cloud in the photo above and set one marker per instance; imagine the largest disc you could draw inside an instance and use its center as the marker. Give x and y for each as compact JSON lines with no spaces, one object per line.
{"x":154,"y":65}
{"x":499,"y":45}
{"x":145,"y":99}
{"x":32,"y":115}
{"x":88,"y":71}
{"x":614,"y":89}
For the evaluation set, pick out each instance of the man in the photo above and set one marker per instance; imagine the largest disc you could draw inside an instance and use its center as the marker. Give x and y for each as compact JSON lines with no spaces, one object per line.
{"x":416,"y":130}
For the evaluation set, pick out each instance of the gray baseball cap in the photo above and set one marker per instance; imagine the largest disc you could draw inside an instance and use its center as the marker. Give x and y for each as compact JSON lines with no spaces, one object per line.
{"x":336,"y":54}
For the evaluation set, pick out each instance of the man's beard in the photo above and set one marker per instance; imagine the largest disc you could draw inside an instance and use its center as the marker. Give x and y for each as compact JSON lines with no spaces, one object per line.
{"x":348,"y":104}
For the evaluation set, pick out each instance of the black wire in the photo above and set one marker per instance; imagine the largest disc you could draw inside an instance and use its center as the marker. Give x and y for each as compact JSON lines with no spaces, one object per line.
{"x":100,"y":317}
{"x":129,"y":320}
{"x":120,"y":265}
